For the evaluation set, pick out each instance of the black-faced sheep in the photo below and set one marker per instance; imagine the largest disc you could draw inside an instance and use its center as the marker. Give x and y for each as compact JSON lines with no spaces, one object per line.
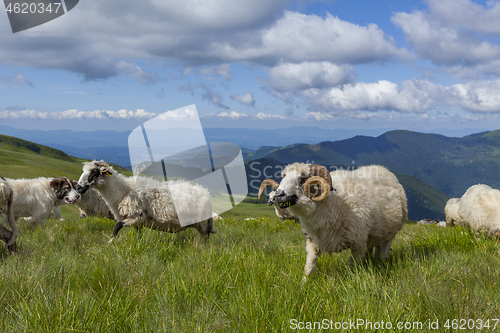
{"x":144,"y":202}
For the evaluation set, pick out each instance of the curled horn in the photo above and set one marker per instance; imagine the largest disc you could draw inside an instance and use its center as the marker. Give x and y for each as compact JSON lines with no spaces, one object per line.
{"x":320,"y":176}
{"x":325,"y":187}
{"x":103,"y":164}
{"x":267,"y":182}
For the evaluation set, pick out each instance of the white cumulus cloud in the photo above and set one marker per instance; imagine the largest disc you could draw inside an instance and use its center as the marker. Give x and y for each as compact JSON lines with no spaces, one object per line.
{"x":305,"y":75}
{"x":246,"y":99}
{"x":233,"y":115}
{"x":76,"y":114}
{"x":456,"y":35}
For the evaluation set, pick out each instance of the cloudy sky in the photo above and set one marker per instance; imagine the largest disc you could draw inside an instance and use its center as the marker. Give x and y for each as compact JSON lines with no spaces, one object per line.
{"x":257,"y":63}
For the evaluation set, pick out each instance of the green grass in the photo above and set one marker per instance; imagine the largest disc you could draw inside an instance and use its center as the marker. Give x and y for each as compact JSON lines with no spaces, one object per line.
{"x":66,"y":278}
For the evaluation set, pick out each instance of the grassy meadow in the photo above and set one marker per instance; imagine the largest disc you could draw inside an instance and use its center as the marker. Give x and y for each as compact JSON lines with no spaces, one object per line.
{"x":66,"y":278}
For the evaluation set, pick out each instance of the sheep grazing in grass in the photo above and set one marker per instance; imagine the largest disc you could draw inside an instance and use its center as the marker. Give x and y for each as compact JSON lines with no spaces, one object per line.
{"x":451,"y":211}
{"x":6,"y":203}
{"x":361,"y":210}
{"x":144,"y":202}
{"x":479,"y":208}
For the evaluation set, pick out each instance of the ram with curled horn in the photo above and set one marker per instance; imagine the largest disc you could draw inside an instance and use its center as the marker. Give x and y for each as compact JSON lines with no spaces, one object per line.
{"x":104,"y":167}
{"x":361,"y":210}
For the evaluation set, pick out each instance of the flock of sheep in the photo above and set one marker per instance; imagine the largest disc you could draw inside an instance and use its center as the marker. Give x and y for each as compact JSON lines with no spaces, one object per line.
{"x":361,"y":210}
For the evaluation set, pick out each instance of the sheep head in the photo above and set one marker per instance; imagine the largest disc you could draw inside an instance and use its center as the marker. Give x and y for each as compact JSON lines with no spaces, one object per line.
{"x":65,"y":189}
{"x":301,"y":180}
{"x":94,"y":174}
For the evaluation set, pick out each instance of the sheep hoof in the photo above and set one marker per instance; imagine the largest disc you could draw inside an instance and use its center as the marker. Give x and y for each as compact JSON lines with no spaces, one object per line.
{"x":111,"y":241}
{"x":304,"y":280}
{"x":12,"y":248}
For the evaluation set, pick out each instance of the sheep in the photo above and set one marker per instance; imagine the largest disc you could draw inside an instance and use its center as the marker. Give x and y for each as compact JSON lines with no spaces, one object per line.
{"x":451,"y":211}
{"x":144,"y":202}
{"x":479,"y":208}
{"x":36,"y":198}
{"x":362,"y":209}
{"x":6,"y":203}
{"x":91,"y":203}
{"x":283,"y":214}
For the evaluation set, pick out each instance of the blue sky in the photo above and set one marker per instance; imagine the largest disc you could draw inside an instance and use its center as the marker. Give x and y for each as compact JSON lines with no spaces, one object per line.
{"x":262,"y":63}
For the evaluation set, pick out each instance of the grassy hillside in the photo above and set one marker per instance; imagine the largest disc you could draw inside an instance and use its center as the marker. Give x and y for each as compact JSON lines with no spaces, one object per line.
{"x":449,"y":164}
{"x":24,"y":159}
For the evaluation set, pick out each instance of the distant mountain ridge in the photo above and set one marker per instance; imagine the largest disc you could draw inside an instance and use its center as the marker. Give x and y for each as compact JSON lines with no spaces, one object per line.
{"x":254,"y":142}
{"x":424,"y":201}
{"x":449,"y":164}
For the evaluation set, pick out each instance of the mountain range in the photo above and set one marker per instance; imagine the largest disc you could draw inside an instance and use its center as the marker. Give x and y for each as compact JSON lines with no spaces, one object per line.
{"x":431,"y":167}
{"x":424,"y":201}
{"x":113,"y":145}
{"x":451,"y":165}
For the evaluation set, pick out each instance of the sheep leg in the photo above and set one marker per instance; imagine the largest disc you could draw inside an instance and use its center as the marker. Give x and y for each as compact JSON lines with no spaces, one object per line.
{"x":137,"y":230}
{"x":57,"y":212}
{"x":125,"y":223}
{"x":205,"y":228}
{"x":11,"y":220}
{"x":38,"y":219}
{"x":382,"y":250}
{"x":311,"y":255}
{"x":118,"y":227}
{"x":357,"y":252}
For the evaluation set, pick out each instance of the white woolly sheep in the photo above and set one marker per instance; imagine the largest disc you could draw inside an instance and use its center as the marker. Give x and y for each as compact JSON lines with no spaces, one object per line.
{"x":91,"y":203}
{"x":451,"y":211}
{"x":361,"y":210}
{"x":36,"y":198}
{"x":479,"y":208}
{"x":6,"y":202}
{"x":144,"y":202}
